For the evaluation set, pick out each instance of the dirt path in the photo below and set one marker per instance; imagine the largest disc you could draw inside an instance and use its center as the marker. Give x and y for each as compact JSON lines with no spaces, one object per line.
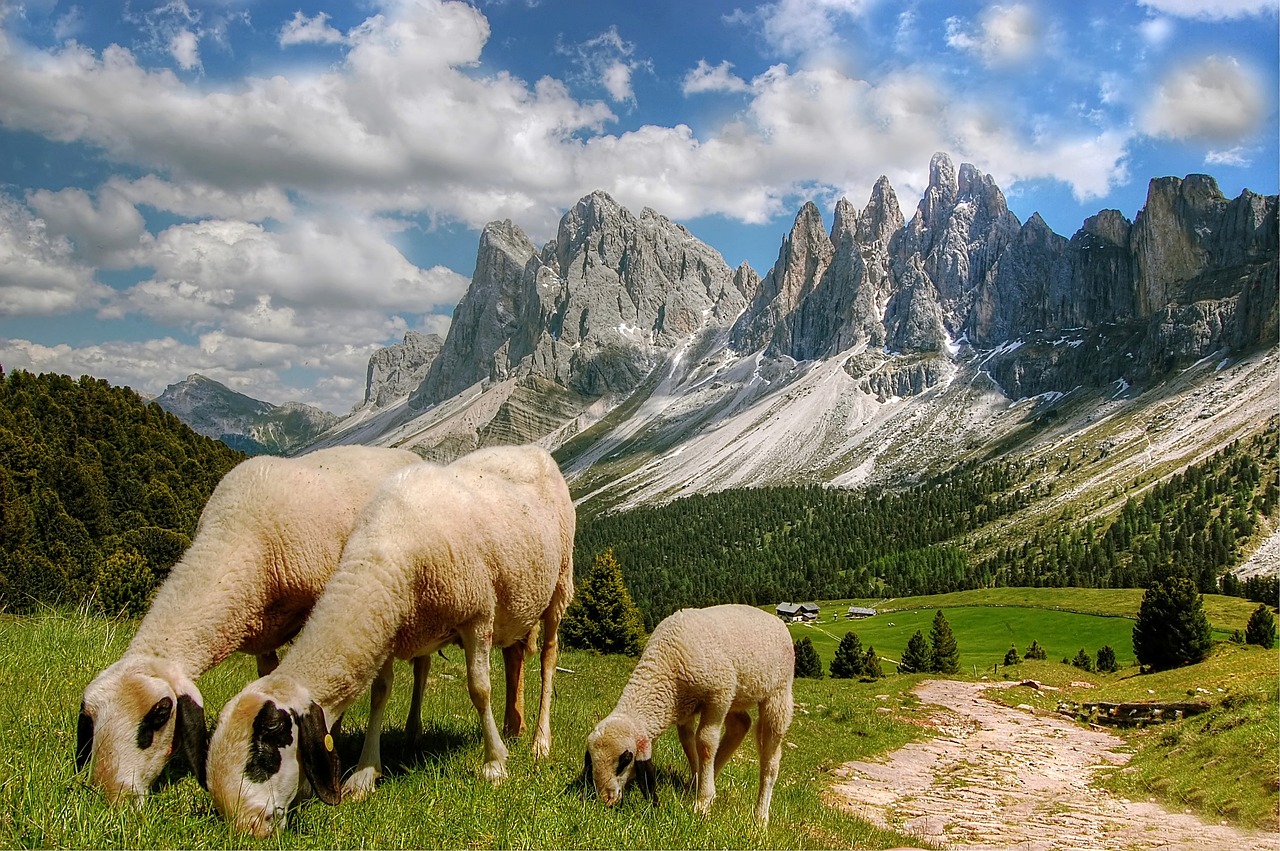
{"x":1002,"y":778}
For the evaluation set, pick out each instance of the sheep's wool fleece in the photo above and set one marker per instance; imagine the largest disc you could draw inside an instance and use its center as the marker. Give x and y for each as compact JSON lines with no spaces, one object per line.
{"x":738,"y":649}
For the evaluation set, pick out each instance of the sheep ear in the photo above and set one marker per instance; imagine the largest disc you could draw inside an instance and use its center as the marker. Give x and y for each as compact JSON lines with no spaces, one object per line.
{"x":647,"y":778}
{"x":319,"y":757}
{"x":84,"y":738}
{"x":193,"y":736}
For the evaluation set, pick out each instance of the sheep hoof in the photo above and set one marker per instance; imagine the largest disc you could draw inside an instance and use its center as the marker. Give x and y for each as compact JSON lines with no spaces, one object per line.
{"x":358,"y":786}
{"x":541,"y":748}
{"x":702,"y":806}
{"x":495,"y":772}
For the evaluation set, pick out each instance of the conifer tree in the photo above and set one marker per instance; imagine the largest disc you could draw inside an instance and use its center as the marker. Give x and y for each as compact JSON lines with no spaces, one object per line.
{"x":808,"y":665}
{"x":1172,"y":629}
{"x":1107,"y":660}
{"x":942,"y":644}
{"x":916,"y":658}
{"x":848,"y":659}
{"x":1261,"y":629}
{"x":603,"y":616}
{"x":871,"y":669}
{"x":1082,"y":660}
{"x":1035,"y":652}
{"x":1011,"y":658}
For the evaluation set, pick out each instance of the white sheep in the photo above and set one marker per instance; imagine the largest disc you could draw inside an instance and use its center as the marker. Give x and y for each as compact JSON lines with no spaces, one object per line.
{"x":478,"y":553}
{"x":268,"y":539}
{"x":704,"y":666}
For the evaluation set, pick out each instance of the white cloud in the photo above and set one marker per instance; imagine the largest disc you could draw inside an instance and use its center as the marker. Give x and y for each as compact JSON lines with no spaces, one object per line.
{"x":1157,"y":31}
{"x":184,"y":46}
{"x":70,"y":24}
{"x":1005,"y":35}
{"x":304,"y":30}
{"x":717,"y":78}
{"x":804,"y":28}
{"x":105,"y":231}
{"x":1213,"y":100}
{"x":193,"y":199}
{"x":607,"y":61}
{"x":39,"y":273}
{"x":616,"y":80}
{"x":1239,"y":157}
{"x":1213,"y":10}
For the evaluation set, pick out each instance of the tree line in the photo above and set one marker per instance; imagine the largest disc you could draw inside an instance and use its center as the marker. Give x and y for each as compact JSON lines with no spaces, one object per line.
{"x":100,"y":492}
{"x":764,"y":545}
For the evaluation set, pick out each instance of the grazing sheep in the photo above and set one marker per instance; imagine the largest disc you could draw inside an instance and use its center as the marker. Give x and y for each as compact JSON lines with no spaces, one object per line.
{"x":267,"y":541}
{"x":717,"y":663}
{"x":478,"y":553}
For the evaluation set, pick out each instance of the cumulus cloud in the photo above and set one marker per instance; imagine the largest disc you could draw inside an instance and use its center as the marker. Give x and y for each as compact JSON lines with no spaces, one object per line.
{"x":1213,"y":10}
{"x":184,"y":46}
{"x":332,"y":278}
{"x":106,"y":230}
{"x":713,"y":78}
{"x":1215,"y":100}
{"x":304,"y":30}
{"x":803,"y":28}
{"x":193,"y":199}
{"x":1239,"y":156}
{"x":39,"y":273}
{"x":1005,"y":35}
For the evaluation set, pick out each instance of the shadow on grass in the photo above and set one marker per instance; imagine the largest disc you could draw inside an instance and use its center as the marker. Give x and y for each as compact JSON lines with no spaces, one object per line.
{"x":671,"y":783}
{"x":400,"y":756}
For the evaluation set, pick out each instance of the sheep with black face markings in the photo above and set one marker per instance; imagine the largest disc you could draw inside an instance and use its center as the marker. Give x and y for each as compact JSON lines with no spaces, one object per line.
{"x":268,"y":539}
{"x":479,"y":553}
{"x":700,"y":671}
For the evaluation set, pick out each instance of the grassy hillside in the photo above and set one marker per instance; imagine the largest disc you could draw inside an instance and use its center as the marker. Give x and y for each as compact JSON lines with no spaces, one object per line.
{"x":430,"y":798}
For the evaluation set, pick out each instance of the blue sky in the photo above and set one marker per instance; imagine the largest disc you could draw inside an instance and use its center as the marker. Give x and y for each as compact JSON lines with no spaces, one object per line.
{"x":265,"y":192}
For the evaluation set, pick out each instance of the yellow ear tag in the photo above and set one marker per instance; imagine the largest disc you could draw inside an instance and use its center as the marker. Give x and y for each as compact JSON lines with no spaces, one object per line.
{"x":328,"y":742}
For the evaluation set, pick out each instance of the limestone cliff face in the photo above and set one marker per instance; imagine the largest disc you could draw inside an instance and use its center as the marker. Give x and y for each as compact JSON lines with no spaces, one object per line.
{"x":397,"y":370}
{"x":591,"y":311}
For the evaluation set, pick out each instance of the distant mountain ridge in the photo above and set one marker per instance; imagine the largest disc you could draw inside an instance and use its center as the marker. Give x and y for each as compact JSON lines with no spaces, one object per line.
{"x":876,"y":349}
{"x":250,"y":425}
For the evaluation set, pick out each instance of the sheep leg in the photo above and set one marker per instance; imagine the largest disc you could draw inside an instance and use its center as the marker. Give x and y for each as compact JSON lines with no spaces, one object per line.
{"x":476,"y":642}
{"x":550,"y":652}
{"x":775,"y":718}
{"x":267,"y":662}
{"x":513,"y":666}
{"x":735,"y":730}
{"x":688,"y":740}
{"x":413,"y":724}
{"x":710,"y":729}
{"x":369,"y":768}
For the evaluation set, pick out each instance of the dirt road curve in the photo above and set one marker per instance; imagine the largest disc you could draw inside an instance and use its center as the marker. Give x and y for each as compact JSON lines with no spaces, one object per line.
{"x":1003,"y":778}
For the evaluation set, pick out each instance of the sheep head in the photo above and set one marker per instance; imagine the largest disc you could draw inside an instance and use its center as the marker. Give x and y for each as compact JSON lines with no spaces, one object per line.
{"x":134,"y":716}
{"x":617,"y":750}
{"x":271,"y":746}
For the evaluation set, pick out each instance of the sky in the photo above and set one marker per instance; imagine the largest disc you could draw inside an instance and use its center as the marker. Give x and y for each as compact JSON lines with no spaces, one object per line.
{"x":267,"y":192}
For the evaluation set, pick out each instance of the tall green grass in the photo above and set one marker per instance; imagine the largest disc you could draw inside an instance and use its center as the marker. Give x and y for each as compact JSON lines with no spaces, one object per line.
{"x":430,"y":797}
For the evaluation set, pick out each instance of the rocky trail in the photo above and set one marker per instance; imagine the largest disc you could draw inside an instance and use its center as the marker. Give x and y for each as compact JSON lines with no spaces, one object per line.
{"x":997,"y":777}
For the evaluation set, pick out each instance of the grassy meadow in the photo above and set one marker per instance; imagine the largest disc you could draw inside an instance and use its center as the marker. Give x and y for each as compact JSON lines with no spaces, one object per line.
{"x":1222,"y":764}
{"x":430,"y":797}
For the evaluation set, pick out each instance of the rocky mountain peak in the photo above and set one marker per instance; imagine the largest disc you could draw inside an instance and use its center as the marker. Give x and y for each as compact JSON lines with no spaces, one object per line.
{"x":882,"y":217}
{"x":397,"y":370}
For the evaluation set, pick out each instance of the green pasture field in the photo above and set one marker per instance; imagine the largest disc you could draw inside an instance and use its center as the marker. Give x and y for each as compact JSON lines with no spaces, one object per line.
{"x":983,"y":633}
{"x":431,"y":797}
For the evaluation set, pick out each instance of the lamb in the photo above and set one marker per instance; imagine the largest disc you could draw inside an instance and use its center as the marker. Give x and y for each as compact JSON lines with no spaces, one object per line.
{"x":478,"y":553}
{"x":267,"y":541}
{"x":715,"y":662}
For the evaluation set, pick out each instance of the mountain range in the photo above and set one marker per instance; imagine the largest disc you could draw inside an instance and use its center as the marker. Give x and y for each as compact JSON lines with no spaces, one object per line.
{"x":874,"y":351}
{"x":250,"y":425}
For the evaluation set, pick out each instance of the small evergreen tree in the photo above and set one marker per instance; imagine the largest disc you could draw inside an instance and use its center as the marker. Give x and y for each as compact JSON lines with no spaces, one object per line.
{"x":1035,"y":652}
{"x":807,"y":662}
{"x":847,"y":662}
{"x":1011,"y":658}
{"x":1261,"y":629}
{"x":916,"y":658}
{"x":1107,"y":660}
{"x":603,"y":616}
{"x":1082,"y":660}
{"x":942,"y":645}
{"x":871,"y":669}
{"x":1172,"y":629}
